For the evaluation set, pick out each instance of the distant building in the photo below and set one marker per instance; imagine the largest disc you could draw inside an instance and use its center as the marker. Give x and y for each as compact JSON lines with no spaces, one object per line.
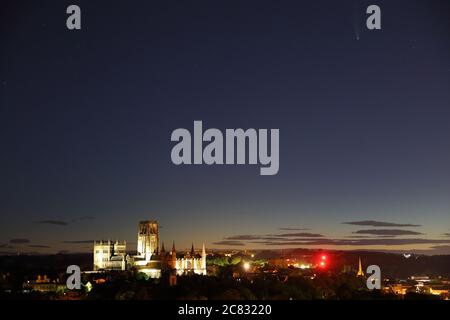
{"x":399,"y":289}
{"x":149,"y":258}
{"x":45,"y":285}
{"x":420,"y":279}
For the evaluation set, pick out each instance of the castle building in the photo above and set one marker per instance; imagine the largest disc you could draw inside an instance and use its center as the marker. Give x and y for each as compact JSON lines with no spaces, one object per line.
{"x":149,"y":259}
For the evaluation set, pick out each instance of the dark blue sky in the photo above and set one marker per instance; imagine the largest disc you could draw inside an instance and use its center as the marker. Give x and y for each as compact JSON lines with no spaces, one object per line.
{"x":86,"y":118}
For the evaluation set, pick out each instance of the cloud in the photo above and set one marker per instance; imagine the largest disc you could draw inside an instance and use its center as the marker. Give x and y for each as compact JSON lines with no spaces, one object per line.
{"x":243,"y":237}
{"x":64,"y":223}
{"x":441,"y":249}
{"x":77,"y":241}
{"x":53,"y":222}
{"x":229,"y":243}
{"x":370,"y":236}
{"x":373,"y":223}
{"x":447,"y":234}
{"x":38,"y":246}
{"x":388,"y":232}
{"x":298,"y":234}
{"x":359,"y":237}
{"x":19,"y":241}
{"x":280,"y":237}
{"x":357,"y":242}
{"x":293,"y":229}
{"x":83,"y":218}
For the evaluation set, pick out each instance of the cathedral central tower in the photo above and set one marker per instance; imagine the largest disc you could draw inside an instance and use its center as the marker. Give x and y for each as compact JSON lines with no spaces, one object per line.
{"x":147,"y":243}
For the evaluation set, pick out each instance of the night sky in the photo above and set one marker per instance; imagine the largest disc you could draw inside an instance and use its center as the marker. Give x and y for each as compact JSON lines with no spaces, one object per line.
{"x":86,"y":118}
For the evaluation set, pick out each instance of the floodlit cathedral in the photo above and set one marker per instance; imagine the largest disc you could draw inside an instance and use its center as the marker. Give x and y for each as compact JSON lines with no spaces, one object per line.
{"x":150,"y":259}
{"x":109,"y":255}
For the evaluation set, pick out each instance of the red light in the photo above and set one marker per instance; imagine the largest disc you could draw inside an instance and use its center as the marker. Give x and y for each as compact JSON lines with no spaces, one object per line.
{"x":322,"y":261}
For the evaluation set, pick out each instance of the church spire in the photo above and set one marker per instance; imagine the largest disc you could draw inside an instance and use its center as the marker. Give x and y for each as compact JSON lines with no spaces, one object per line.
{"x":360,"y":271}
{"x":163,"y":250}
{"x":192,"y":250}
{"x":203,"y":261}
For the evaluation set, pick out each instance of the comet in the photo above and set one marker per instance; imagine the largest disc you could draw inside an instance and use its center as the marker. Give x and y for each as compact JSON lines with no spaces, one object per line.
{"x":356,"y":20}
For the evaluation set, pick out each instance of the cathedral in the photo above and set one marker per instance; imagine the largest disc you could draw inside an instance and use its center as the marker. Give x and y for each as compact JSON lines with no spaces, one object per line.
{"x":150,"y":258}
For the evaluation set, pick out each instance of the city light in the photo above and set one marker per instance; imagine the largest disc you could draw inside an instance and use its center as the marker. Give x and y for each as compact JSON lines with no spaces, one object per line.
{"x":246,"y":266}
{"x":322,"y":261}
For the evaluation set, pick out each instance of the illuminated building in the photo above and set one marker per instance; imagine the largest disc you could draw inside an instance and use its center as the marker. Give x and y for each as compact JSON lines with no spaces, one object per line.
{"x":420,"y":278}
{"x":192,"y":262}
{"x":149,"y":259}
{"x":44,"y":284}
{"x":439,"y":292}
{"x":399,"y":289}
{"x":109,"y":255}
{"x":147,"y":241}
